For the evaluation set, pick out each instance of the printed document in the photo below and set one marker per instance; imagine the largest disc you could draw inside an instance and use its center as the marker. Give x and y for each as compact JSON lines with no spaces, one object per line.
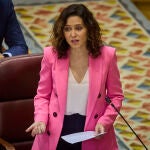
{"x":80,"y":136}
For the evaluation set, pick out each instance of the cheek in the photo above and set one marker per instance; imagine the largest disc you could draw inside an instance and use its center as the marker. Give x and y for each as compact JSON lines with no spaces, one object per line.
{"x":66,"y":37}
{"x":84,"y":37}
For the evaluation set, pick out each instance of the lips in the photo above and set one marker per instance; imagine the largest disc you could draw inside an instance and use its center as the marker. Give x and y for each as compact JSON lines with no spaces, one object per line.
{"x":74,"y":41}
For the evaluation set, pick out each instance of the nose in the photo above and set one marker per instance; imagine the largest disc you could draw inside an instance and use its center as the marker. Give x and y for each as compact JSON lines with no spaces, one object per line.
{"x":73,"y":33}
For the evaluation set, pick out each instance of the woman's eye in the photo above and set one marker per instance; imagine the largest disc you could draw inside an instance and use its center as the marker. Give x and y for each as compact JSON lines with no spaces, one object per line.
{"x":67,"y":29}
{"x":78,"y":28}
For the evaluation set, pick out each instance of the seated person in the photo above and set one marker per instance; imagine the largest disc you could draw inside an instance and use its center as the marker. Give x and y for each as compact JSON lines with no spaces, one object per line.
{"x":10,"y":31}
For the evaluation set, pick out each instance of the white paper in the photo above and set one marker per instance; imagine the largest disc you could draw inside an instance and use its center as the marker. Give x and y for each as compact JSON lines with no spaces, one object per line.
{"x":80,"y":136}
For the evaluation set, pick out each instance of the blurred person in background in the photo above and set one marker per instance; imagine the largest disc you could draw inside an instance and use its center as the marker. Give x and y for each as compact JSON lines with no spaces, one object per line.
{"x":10,"y":31}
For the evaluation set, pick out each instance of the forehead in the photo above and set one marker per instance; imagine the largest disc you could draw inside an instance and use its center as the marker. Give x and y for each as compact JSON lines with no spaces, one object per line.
{"x":73,"y":20}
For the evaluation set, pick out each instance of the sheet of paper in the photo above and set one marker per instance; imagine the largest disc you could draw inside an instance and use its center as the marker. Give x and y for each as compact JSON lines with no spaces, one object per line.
{"x":80,"y":136}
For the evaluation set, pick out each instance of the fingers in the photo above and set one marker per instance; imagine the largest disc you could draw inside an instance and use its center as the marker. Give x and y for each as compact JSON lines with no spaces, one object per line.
{"x":99,"y":128}
{"x":40,"y":128}
{"x":34,"y":132}
{"x":36,"y":128}
{"x":29,"y":129}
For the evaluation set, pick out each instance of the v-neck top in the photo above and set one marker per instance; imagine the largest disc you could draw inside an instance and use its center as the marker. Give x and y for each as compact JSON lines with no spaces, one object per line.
{"x":77,"y":94}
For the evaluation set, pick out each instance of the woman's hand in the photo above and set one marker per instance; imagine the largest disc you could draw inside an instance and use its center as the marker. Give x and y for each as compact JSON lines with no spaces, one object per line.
{"x":36,"y":128}
{"x":99,"y":128}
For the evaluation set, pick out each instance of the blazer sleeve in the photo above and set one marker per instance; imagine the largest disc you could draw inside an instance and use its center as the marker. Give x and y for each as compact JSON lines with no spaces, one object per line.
{"x":114,"y":92}
{"x":13,"y":35}
{"x":42,"y":98}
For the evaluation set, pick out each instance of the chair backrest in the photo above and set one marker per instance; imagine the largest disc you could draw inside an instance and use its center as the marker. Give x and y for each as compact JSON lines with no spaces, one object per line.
{"x":19,"y":78}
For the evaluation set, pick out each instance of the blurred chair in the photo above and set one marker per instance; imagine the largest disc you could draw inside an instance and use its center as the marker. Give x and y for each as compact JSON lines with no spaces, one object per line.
{"x":19,"y":77}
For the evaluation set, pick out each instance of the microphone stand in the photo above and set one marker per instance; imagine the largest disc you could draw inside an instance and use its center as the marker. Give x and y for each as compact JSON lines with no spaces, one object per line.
{"x":108,"y":100}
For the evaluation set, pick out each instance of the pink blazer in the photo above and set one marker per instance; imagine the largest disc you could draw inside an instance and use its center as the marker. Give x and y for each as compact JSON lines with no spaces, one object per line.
{"x":50,"y":101}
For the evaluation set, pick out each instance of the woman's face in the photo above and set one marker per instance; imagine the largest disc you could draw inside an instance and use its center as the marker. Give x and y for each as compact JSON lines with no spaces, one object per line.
{"x":75,"y":32}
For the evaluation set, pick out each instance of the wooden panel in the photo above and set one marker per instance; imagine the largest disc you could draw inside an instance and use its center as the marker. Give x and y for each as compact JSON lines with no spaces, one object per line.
{"x":143,"y":6}
{"x":140,"y":1}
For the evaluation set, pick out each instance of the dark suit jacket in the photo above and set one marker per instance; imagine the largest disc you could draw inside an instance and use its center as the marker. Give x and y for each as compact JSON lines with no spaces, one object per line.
{"x":10,"y":30}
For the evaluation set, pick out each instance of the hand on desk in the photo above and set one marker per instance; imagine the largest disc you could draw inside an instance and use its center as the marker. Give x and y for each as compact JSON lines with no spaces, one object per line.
{"x":36,"y":128}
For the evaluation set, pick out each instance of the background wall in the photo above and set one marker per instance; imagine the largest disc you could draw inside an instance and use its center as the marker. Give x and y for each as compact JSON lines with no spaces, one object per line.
{"x":19,"y":2}
{"x":16,"y":2}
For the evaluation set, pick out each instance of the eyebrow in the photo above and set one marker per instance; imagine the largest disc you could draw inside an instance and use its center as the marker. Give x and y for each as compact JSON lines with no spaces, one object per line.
{"x":73,"y":25}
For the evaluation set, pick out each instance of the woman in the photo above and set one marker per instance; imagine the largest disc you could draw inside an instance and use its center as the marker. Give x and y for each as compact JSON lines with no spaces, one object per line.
{"x":77,"y":73}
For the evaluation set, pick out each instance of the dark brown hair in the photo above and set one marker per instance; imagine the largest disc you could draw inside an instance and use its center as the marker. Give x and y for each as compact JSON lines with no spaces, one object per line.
{"x":94,"y":41}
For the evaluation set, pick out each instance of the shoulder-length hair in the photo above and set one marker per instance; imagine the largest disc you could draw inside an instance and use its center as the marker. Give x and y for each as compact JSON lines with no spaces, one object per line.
{"x":94,"y":41}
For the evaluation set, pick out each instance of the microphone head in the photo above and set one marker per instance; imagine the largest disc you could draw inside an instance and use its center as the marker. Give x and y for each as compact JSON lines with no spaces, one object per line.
{"x":108,"y":100}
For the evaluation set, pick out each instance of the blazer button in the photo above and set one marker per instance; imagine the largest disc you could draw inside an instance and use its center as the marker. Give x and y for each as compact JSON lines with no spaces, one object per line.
{"x":54,"y":114}
{"x":96,"y":115}
{"x":48,"y":133}
{"x":99,"y":95}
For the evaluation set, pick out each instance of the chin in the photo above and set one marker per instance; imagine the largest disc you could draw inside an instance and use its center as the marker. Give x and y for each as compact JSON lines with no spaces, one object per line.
{"x":75,"y":46}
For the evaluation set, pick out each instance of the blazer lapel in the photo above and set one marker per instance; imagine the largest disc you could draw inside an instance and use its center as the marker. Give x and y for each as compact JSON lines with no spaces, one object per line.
{"x":95,"y":78}
{"x":62,"y":82}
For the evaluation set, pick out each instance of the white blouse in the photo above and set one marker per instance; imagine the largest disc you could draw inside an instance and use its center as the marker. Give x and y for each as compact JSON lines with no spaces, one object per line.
{"x":77,"y":95}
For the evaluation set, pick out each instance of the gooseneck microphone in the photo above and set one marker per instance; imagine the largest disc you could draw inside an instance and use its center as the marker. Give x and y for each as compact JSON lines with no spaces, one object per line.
{"x":108,"y":100}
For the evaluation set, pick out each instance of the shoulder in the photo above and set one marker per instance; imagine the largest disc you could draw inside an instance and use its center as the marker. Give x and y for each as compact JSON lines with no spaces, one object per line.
{"x":108,"y":54}
{"x":5,"y":3}
{"x":108,"y":51}
{"x":50,"y":53}
{"x":6,"y":6}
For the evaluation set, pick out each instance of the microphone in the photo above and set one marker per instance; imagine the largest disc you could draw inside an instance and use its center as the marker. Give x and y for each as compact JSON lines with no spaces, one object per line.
{"x":108,"y":100}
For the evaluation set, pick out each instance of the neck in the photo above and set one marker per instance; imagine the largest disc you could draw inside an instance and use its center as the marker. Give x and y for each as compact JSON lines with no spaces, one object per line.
{"x":78,"y":53}
{"x":79,"y":58}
